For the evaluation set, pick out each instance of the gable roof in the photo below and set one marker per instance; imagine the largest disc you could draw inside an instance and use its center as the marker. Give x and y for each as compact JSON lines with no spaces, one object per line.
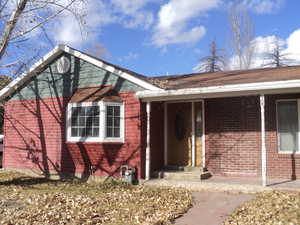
{"x":58,"y":50}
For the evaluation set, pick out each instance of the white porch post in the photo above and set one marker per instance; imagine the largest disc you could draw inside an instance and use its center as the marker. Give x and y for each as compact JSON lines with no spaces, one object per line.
{"x":263,"y":142}
{"x":166,"y":134}
{"x":148,"y":158}
{"x":193,"y":136}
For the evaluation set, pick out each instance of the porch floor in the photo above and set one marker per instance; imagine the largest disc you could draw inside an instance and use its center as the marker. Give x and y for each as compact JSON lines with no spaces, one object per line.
{"x":232,"y":184}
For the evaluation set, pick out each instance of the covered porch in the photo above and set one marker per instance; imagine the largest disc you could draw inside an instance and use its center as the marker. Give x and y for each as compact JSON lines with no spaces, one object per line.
{"x":177,"y":138}
{"x":195,"y":150}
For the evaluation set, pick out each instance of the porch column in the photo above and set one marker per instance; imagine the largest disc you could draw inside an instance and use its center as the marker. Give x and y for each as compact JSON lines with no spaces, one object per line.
{"x":263,"y":142}
{"x":193,"y":136}
{"x":148,"y":158}
{"x":166,"y":134}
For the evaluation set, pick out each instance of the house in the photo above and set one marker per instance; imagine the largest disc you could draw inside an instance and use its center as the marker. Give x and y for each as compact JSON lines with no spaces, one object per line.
{"x":73,"y":114}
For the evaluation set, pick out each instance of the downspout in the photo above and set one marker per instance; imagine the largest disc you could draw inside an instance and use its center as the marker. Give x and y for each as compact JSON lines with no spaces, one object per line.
{"x":263,"y":142}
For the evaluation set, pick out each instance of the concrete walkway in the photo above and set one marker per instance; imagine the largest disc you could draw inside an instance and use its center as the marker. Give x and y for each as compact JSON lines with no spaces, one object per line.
{"x":240,"y":185}
{"x":211,"y":208}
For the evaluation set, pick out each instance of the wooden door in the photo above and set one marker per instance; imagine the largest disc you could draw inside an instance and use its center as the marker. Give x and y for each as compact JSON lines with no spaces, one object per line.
{"x":179,"y":134}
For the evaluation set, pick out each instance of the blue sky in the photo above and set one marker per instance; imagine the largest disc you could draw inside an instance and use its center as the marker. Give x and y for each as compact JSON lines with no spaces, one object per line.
{"x":159,"y":37}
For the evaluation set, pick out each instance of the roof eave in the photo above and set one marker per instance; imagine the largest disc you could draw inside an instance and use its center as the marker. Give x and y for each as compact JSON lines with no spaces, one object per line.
{"x":276,"y":87}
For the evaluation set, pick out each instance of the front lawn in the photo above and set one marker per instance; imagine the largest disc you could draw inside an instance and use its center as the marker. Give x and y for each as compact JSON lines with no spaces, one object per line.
{"x":269,"y":208}
{"x":29,"y":200}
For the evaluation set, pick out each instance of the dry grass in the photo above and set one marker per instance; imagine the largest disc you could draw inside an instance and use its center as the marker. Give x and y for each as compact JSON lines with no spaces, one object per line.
{"x":268,"y":208}
{"x":28,"y":200}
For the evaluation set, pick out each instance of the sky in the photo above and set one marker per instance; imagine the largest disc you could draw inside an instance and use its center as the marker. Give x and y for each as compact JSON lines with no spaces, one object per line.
{"x":161,"y":37}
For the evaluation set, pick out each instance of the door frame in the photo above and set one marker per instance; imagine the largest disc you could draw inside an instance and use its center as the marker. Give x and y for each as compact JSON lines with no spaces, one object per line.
{"x":193,"y":130}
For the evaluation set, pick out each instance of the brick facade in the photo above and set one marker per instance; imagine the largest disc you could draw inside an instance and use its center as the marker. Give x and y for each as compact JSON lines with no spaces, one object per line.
{"x":35,"y":139}
{"x":278,"y":164}
{"x":232,"y":129}
{"x":233,"y":138}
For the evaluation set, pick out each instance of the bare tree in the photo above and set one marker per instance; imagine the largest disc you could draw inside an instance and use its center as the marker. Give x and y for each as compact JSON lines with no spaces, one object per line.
{"x":215,"y":62}
{"x":19,"y":19}
{"x":241,"y":35}
{"x":276,"y":56}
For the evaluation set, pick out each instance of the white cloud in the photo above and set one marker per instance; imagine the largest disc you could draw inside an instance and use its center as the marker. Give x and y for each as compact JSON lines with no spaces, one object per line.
{"x":129,"y":13}
{"x":133,"y":13}
{"x":131,"y":56}
{"x":263,"y":6}
{"x":264,"y":45}
{"x":173,"y":18}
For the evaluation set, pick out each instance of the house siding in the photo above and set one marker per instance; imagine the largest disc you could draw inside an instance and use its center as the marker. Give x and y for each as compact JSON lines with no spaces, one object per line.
{"x":50,"y":84}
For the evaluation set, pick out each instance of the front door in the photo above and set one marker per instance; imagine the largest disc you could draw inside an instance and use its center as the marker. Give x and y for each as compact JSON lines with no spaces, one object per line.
{"x":180,"y":133}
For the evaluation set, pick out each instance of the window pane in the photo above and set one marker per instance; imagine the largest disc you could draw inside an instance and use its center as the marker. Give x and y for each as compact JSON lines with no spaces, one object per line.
{"x":81,"y":111}
{"x":116,"y":110}
{"x":96,"y":121}
{"x":85,"y":121}
{"x":109,"y":131}
{"x":109,"y":110}
{"x":74,"y":111}
{"x":117,"y":121}
{"x":109,"y":121}
{"x":74,"y":132}
{"x":81,"y":121}
{"x":89,"y":132}
{"x":116,"y":132}
{"x":75,"y":121}
{"x":95,"y":132}
{"x":288,"y":126}
{"x":95,"y":110}
{"x":89,"y":121}
{"x":82,"y":132}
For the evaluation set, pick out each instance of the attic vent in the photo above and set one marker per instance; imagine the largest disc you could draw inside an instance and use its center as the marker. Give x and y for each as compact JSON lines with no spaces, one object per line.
{"x":63,"y":65}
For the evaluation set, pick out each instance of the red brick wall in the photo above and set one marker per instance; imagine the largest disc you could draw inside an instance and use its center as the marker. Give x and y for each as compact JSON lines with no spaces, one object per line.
{"x":232,"y":141}
{"x":279,"y":165}
{"x":233,"y":138}
{"x":35,"y":139}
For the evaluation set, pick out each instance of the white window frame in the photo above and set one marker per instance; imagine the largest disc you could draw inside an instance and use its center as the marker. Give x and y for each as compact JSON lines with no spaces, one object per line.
{"x":277,"y":126}
{"x":114,"y":139}
{"x":102,"y":122}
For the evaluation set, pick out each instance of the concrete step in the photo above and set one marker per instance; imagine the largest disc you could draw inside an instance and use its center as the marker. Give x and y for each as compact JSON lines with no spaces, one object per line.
{"x":182,"y":175}
{"x":185,"y":168}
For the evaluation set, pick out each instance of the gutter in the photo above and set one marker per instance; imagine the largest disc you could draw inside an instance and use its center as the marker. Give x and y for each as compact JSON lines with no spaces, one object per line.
{"x":274,"y":87}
